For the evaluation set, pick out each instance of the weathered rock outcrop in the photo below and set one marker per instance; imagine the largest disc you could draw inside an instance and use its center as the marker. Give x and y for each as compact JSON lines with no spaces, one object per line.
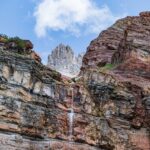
{"x":34,"y":106}
{"x":64,"y":61}
{"x":135,"y":30}
{"x":110,"y":99}
{"x":116,"y":68}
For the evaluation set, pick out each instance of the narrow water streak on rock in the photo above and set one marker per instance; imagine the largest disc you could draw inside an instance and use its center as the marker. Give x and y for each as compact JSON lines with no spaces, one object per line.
{"x":71,"y":119}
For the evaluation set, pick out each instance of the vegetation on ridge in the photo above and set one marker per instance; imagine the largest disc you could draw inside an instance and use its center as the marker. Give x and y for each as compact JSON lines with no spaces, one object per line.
{"x":15,"y":43}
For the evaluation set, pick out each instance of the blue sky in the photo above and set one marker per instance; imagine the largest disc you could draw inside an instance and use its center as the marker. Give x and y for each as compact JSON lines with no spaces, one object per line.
{"x":74,"y":22}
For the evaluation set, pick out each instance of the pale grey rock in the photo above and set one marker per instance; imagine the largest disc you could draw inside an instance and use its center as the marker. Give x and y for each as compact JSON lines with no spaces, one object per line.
{"x":63,"y":60}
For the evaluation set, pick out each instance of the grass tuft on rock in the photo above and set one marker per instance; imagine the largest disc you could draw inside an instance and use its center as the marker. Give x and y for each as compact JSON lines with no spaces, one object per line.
{"x":107,"y":67}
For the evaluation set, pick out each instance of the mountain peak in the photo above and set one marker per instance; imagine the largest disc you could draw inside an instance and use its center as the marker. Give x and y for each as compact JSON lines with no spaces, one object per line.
{"x":63,"y":60}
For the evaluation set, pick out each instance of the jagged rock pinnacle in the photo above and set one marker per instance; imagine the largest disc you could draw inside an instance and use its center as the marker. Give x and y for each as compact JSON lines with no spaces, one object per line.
{"x":64,"y":60}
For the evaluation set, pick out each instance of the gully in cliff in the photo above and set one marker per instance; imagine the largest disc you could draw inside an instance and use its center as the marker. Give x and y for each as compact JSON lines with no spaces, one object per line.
{"x":71,"y":116}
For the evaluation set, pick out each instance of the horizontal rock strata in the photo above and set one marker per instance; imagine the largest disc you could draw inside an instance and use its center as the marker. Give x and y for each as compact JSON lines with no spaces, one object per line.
{"x":109,"y":101}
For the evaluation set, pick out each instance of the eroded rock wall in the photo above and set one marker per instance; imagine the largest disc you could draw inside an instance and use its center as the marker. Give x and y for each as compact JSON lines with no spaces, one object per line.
{"x":111,"y":98}
{"x":116,"y":70}
{"x":34,"y":106}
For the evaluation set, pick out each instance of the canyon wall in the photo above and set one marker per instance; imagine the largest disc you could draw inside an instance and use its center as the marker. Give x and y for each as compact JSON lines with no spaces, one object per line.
{"x":116,"y":69}
{"x":110,"y":99}
{"x":35,"y":103}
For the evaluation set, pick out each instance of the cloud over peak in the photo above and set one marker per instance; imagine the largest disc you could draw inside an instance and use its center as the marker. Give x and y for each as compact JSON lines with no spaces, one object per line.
{"x":74,"y":16}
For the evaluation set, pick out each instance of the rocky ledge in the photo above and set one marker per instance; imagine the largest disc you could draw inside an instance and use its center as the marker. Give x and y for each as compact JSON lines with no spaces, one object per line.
{"x":107,"y":107}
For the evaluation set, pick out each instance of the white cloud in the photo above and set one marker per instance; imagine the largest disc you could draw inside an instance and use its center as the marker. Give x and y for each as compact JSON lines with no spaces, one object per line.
{"x":74,"y":16}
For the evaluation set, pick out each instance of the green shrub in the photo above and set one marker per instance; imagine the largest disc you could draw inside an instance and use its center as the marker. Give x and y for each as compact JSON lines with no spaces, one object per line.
{"x":4,"y":36}
{"x":19,"y":42}
{"x":108,"y":66}
{"x":56,"y":75}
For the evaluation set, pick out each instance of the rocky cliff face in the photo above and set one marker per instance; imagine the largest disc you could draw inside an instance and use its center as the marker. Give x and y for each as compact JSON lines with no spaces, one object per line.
{"x":35,"y":105}
{"x":64,"y":61}
{"x":128,"y":35}
{"x":106,"y":108}
{"x":116,"y":68}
